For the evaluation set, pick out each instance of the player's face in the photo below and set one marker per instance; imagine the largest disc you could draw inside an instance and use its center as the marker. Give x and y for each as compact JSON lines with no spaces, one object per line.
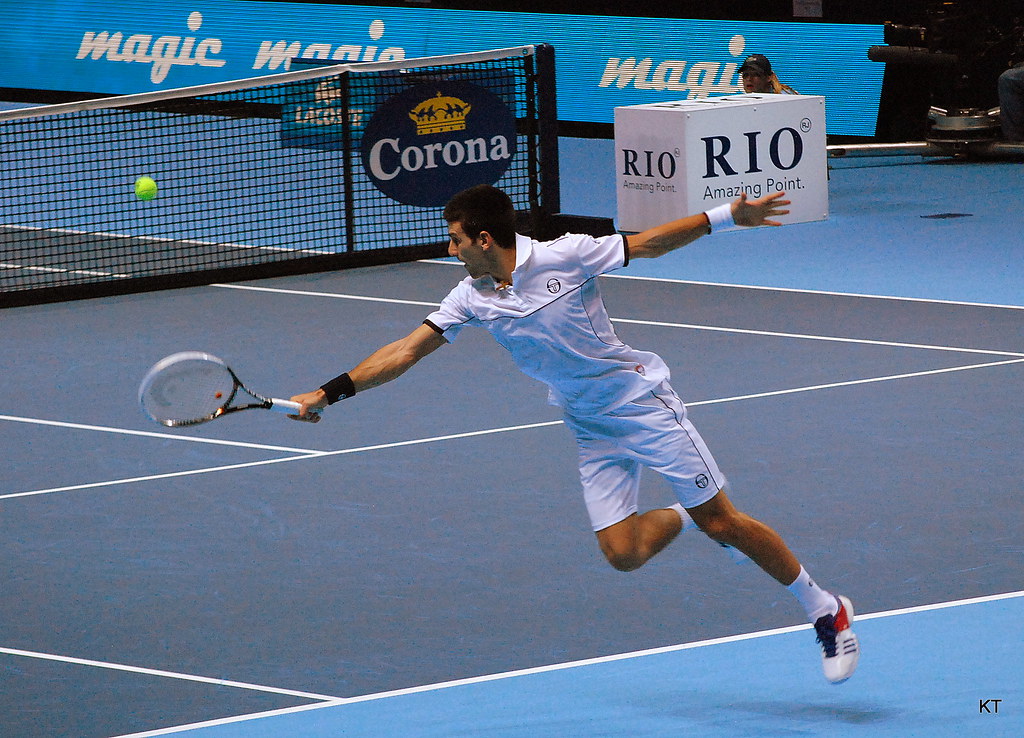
{"x":755,"y":82}
{"x":469,"y":251}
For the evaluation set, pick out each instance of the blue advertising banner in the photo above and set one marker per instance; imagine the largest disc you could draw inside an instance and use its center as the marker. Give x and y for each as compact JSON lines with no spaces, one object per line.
{"x":124,"y":46}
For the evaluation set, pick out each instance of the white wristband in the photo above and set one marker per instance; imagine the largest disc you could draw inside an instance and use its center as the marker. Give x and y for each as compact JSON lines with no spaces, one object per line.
{"x":721,"y":217}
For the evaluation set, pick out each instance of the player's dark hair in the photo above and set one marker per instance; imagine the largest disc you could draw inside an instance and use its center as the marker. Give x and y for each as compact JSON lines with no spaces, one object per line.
{"x":484,"y":208}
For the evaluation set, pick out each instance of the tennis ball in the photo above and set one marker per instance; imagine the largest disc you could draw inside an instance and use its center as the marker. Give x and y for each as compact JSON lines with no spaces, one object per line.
{"x":145,"y":188}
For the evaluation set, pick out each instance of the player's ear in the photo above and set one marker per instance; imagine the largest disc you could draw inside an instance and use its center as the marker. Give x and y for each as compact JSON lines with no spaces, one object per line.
{"x":486,"y":239}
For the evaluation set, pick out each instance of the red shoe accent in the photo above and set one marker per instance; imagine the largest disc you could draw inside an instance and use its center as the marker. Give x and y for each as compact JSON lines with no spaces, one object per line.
{"x":842,"y":619}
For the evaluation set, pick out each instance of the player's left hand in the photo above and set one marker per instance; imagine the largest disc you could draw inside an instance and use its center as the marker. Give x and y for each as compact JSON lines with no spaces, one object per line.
{"x":759,"y":212}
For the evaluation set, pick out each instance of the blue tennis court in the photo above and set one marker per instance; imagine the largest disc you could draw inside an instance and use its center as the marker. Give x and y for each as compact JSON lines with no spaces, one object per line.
{"x":696,"y":689}
{"x":420,"y":563}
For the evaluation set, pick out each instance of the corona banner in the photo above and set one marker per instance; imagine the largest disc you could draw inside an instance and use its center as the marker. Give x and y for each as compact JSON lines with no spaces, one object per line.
{"x":425,"y":144}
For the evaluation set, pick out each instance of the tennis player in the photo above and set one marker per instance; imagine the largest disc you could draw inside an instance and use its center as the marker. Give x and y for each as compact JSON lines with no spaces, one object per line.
{"x":541,"y":301}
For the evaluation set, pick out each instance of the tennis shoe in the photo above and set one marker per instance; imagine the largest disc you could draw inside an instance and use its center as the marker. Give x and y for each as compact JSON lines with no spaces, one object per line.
{"x":840,"y":650}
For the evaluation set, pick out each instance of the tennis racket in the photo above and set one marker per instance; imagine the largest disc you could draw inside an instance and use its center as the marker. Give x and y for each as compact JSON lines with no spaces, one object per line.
{"x":192,"y":387}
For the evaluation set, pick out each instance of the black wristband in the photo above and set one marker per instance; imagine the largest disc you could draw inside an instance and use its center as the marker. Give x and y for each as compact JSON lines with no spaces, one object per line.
{"x":338,"y":388}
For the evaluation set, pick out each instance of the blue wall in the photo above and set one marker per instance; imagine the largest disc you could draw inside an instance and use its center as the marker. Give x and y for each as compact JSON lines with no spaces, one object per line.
{"x":125,"y":46}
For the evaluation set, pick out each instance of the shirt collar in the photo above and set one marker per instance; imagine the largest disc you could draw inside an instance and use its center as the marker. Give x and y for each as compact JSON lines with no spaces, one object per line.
{"x":524,"y":250}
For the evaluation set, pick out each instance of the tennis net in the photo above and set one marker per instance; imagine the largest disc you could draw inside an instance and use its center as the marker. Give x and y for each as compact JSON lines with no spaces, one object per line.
{"x":319,"y":168}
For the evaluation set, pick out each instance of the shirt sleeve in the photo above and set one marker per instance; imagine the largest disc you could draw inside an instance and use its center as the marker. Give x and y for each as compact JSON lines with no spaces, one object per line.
{"x":602,"y":255}
{"x":453,"y":315}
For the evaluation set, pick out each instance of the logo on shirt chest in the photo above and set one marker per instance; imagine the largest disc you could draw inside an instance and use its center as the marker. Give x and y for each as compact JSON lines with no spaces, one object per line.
{"x":554,"y":286}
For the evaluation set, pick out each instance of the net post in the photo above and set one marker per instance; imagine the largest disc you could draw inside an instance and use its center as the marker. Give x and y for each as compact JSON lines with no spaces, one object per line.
{"x":346,"y":159}
{"x":547,"y":126}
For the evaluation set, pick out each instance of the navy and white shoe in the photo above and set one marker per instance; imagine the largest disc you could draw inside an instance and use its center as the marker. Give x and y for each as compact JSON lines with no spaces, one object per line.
{"x":840,"y":650}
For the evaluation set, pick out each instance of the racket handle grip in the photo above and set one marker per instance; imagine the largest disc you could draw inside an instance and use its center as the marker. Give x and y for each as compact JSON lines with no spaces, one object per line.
{"x":293,"y":408}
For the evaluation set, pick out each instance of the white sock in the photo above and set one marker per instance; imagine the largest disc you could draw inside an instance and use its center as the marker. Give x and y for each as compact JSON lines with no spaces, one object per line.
{"x":816,"y":601}
{"x":688,"y":523}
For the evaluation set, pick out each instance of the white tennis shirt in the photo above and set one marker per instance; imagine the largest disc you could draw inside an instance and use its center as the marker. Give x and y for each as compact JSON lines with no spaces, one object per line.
{"x":554,"y":323}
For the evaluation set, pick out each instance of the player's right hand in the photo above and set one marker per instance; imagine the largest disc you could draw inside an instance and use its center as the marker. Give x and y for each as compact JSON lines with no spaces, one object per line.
{"x":312,"y":403}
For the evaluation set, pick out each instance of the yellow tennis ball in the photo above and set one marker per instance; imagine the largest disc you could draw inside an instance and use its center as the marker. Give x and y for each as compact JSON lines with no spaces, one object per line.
{"x":145,"y":188}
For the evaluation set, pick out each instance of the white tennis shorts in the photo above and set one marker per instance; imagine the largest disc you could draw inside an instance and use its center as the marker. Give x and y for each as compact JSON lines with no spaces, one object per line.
{"x":651,"y":431}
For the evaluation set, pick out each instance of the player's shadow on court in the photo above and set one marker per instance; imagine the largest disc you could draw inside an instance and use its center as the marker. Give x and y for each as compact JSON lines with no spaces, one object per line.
{"x":798,"y":716}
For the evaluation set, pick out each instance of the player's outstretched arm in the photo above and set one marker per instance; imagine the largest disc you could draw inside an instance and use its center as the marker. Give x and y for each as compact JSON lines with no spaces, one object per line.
{"x":662,"y":239}
{"x":386,"y":363}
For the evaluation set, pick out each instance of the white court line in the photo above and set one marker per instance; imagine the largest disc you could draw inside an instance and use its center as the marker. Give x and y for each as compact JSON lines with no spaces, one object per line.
{"x":334,"y":295}
{"x":152,"y":477}
{"x":167,"y":674}
{"x":852,"y":382}
{"x":56,"y":270}
{"x":794,"y":290}
{"x":338,"y":702}
{"x":810,"y":337}
{"x":166,"y":239}
{"x":827,"y":293}
{"x":235,"y":719}
{"x":671,"y":649}
{"x":654,"y":323}
{"x":490,"y":431}
{"x":151,"y":434}
{"x":267,"y":462}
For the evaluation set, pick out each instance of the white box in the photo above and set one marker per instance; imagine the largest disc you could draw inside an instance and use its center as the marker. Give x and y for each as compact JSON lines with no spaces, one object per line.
{"x":675,"y":159}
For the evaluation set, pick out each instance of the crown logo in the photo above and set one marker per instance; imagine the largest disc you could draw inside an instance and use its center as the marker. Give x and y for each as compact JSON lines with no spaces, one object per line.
{"x":440,"y":114}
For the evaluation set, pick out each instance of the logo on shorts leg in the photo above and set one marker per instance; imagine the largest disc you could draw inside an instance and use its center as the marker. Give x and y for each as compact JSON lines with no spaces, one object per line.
{"x":701,"y":481}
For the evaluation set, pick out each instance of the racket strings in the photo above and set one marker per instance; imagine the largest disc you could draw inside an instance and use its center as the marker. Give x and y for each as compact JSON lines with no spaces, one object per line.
{"x":188,"y":392}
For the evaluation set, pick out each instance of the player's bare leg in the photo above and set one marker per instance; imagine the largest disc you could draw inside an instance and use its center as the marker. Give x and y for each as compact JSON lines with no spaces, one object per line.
{"x":722,"y":522}
{"x":630,"y":543}
{"x":831,"y":615}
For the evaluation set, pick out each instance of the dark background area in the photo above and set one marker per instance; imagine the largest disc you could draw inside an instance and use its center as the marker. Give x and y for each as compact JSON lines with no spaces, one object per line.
{"x":869,"y":11}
